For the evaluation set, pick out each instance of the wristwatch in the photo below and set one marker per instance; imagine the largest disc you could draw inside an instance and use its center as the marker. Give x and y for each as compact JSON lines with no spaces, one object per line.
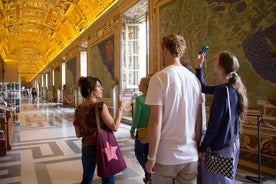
{"x":151,"y":158}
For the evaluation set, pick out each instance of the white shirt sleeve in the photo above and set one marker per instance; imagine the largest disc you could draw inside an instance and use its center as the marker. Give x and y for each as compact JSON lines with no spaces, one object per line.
{"x":154,"y":94}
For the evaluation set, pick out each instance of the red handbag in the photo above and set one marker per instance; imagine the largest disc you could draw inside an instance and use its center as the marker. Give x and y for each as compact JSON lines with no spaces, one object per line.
{"x":110,"y":160}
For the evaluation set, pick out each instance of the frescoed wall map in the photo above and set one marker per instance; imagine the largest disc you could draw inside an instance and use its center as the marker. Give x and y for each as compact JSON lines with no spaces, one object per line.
{"x":245,"y":27}
{"x":102,"y":63}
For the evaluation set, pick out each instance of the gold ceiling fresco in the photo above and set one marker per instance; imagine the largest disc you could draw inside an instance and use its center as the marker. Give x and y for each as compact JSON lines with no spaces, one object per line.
{"x":33,"y":32}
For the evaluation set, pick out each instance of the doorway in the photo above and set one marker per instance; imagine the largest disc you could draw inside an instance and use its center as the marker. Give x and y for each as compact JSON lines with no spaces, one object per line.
{"x":134,"y":53}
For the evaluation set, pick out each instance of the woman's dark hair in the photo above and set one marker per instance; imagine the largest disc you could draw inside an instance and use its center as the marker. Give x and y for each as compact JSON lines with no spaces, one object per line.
{"x":230,"y":63}
{"x":87,"y":85}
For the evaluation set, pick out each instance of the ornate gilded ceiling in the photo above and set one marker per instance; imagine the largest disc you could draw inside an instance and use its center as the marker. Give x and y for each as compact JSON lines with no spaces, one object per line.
{"x":33,"y":32}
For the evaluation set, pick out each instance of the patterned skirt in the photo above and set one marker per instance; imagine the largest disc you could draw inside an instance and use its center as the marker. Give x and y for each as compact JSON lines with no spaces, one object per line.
{"x":211,"y":178}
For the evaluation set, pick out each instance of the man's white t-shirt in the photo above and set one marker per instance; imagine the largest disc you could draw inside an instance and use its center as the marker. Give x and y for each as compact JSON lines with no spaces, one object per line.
{"x":178,"y":91}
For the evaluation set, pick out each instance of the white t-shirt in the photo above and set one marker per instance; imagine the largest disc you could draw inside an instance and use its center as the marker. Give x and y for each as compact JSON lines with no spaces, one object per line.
{"x":179,"y":92}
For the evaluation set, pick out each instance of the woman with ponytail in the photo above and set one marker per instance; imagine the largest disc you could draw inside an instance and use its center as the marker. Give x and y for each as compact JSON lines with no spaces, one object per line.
{"x":218,"y":136}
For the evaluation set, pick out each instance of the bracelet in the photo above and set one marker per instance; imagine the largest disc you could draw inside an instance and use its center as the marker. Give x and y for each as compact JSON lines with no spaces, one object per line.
{"x":151,"y":158}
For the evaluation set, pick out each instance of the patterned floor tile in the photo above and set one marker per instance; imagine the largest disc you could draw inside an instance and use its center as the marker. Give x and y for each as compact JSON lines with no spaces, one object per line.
{"x":46,"y":151}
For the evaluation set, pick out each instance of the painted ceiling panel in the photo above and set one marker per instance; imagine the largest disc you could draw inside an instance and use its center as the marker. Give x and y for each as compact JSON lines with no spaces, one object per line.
{"x":33,"y":32}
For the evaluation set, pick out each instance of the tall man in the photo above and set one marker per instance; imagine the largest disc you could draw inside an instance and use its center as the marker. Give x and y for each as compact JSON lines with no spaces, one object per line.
{"x":174,"y":95}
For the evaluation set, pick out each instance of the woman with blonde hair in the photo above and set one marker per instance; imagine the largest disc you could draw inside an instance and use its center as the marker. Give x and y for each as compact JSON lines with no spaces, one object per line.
{"x":140,"y":122}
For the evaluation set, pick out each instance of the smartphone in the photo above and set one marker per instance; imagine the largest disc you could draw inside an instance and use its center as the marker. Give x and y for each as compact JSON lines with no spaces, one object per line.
{"x":204,"y":49}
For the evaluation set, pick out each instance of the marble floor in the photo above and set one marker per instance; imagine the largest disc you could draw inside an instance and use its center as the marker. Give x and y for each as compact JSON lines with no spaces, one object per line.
{"x":46,"y":151}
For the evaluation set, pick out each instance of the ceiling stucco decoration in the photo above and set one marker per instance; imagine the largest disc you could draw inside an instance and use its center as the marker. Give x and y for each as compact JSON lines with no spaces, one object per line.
{"x":34,"y":32}
{"x":137,"y":11}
